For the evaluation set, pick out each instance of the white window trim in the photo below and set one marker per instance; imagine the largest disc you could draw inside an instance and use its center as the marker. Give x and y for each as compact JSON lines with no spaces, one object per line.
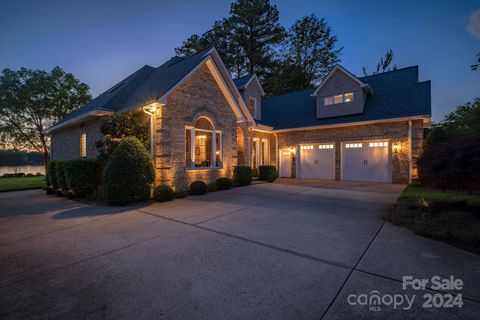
{"x":332,"y":97}
{"x":214,"y":147}
{"x":266,"y":152}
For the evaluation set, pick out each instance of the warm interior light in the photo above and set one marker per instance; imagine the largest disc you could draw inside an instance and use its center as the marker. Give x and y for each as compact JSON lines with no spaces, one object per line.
{"x":396,"y":147}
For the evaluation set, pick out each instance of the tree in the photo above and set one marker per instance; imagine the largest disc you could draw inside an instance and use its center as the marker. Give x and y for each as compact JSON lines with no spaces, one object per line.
{"x":310,"y":46}
{"x":384,"y":64}
{"x":285,"y":77}
{"x":245,"y":40}
{"x":31,"y":101}
{"x":115,"y":128}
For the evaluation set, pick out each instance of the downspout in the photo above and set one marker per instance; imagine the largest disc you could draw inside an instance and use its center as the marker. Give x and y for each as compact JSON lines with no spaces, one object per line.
{"x":151,"y":133}
{"x":277,"y":156}
{"x":410,"y":158}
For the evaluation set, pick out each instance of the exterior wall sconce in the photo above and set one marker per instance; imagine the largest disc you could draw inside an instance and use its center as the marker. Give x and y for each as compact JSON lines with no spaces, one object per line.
{"x":151,"y":109}
{"x":395,"y":148}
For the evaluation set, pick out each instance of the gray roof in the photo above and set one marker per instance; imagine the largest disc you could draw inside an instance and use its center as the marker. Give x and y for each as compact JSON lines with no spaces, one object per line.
{"x":144,"y":86}
{"x":396,"y":94}
{"x":242,"y":80}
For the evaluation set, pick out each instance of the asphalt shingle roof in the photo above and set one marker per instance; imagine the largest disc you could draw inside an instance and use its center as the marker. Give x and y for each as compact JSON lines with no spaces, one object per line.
{"x":396,"y":94}
{"x":145,"y":85}
{"x":242,"y":80}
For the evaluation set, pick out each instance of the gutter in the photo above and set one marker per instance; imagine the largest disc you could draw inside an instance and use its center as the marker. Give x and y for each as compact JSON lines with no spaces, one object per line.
{"x":79,"y":118}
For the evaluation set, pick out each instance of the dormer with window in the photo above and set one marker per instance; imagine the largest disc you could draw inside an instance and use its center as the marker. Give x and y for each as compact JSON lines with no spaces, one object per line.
{"x":251,"y":90}
{"x":341,"y":94}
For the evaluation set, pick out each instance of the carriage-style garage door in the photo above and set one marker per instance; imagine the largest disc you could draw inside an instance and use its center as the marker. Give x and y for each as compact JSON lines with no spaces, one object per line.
{"x":366,"y":161}
{"x":317,"y":161}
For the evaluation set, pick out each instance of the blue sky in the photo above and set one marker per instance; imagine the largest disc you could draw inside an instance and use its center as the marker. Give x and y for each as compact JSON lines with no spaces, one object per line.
{"x":101,"y":42}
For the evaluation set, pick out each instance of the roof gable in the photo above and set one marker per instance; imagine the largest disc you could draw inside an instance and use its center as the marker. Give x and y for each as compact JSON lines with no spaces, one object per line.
{"x":339,"y":68}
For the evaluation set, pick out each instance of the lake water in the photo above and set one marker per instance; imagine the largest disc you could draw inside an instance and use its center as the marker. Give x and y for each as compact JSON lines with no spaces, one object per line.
{"x":24,"y":169}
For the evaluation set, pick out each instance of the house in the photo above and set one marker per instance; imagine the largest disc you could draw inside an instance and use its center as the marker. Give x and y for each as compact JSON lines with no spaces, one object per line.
{"x":203,"y":123}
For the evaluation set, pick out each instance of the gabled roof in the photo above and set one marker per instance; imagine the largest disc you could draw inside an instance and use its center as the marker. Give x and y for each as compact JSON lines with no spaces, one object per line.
{"x":338,"y":67}
{"x":144,"y":86}
{"x":398,"y":94}
{"x":244,"y":81}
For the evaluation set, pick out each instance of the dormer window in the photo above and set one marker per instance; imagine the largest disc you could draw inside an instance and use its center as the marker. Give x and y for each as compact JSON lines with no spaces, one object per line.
{"x":337,"y":99}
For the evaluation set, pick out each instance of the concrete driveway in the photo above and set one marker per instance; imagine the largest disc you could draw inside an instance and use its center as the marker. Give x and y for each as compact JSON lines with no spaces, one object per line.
{"x":287,"y":250}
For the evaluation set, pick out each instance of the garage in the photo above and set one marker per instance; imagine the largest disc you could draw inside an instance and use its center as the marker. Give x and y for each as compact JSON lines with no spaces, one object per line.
{"x":367,"y":161}
{"x":316,"y":161}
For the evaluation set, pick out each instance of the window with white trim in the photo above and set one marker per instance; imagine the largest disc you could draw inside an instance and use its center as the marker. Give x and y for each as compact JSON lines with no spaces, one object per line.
{"x":83,"y":145}
{"x":338,"y":99}
{"x":203,"y":145}
{"x":353,"y":145}
{"x":252,"y":106}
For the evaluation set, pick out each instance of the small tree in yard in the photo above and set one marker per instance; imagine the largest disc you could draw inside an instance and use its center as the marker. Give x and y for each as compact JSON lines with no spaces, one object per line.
{"x":117,"y":127}
{"x":129,"y":173}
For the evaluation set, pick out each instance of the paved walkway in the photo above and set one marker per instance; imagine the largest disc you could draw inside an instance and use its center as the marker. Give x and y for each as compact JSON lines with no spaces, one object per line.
{"x":288,"y":250}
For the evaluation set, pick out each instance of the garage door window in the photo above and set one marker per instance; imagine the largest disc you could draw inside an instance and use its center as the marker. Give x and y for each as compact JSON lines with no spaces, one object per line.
{"x":378,"y":144}
{"x":325,"y":146}
{"x":353,"y":145}
{"x":306,"y":147}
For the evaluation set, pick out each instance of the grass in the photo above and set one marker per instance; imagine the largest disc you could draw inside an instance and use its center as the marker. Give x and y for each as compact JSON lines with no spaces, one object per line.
{"x":22,"y":183}
{"x":448,"y":216}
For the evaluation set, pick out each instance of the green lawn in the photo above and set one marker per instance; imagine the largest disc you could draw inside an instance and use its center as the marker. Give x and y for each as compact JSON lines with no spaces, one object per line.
{"x":22,"y":183}
{"x":449,"y":216}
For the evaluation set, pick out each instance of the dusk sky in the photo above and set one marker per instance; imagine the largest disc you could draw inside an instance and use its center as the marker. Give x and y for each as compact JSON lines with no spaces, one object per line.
{"x":101,"y":42}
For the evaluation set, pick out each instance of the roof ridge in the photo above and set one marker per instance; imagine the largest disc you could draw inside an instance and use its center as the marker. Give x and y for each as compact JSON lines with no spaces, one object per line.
{"x":390,"y":71}
{"x":291,"y":92}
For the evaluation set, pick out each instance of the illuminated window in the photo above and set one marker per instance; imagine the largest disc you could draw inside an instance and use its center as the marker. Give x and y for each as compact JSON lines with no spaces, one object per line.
{"x":378,"y":144}
{"x":353,"y":145}
{"x":252,"y":106}
{"x":83,"y":145}
{"x":306,"y":147}
{"x":325,"y":146}
{"x":203,"y":145}
{"x":337,"y":99}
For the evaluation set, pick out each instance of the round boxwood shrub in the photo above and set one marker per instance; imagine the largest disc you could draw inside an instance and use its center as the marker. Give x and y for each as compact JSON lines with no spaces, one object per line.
{"x":129,"y":173}
{"x":198,"y":188}
{"x":224,"y":183}
{"x":83,"y":176}
{"x":242,"y":175}
{"x":267,"y":173}
{"x":163,"y":193}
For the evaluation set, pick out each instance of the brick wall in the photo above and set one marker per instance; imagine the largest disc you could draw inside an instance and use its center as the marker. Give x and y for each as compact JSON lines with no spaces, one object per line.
{"x":198,"y":96}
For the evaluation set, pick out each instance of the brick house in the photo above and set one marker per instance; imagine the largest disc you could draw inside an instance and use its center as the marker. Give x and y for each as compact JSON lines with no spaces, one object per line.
{"x":203,"y":123}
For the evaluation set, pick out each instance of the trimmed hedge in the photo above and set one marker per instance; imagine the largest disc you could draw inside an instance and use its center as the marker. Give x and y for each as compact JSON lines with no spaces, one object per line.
{"x":242,"y":175}
{"x":198,"y":188}
{"x":81,"y":176}
{"x":129,"y":173}
{"x":267,"y":173}
{"x":224,"y":183}
{"x":163,"y":193}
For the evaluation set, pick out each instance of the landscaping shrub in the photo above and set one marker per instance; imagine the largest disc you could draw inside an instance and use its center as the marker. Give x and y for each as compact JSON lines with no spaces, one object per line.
{"x":224,"y":183}
{"x":50,"y":190}
{"x":451,"y":165}
{"x":242,"y":175}
{"x":52,"y":174}
{"x":163,"y":193}
{"x":29,"y":175}
{"x":198,"y":188}
{"x":267,"y":173}
{"x":61,"y":175}
{"x":212,"y":187}
{"x":83,"y":176}
{"x":129,"y":173}
{"x":179,"y":194}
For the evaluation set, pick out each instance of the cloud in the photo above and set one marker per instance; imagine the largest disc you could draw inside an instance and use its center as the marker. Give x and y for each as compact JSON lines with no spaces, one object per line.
{"x":473,"y":26}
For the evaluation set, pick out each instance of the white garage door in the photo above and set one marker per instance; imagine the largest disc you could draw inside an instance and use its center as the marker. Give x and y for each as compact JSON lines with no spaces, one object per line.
{"x":316,"y":161}
{"x":366,"y":161}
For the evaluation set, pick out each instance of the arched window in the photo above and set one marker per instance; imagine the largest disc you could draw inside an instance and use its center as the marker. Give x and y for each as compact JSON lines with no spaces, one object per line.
{"x":203,"y":147}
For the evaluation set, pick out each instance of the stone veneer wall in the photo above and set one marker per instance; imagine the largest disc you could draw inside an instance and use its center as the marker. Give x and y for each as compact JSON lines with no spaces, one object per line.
{"x":394,"y":131}
{"x":198,"y":96}
{"x":65,"y":143}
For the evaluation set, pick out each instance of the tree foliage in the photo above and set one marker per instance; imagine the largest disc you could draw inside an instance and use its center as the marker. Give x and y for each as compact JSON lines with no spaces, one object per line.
{"x":31,"y":101}
{"x":115,"y":128}
{"x":383,"y":65}
{"x":246,"y":40}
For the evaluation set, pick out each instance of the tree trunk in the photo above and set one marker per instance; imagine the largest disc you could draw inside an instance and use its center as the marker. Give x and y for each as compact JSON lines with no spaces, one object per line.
{"x":45,"y":152}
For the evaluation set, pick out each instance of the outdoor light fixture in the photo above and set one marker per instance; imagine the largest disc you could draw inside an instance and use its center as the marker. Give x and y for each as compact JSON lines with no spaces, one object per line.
{"x":395,"y":147}
{"x":151,"y":109}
